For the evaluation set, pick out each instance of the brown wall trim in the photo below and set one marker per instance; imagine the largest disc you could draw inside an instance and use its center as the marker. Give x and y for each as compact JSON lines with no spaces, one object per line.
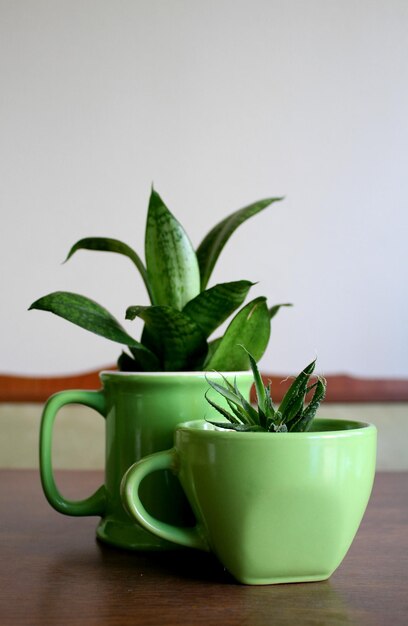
{"x":38,"y":389}
{"x":343,"y":388}
{"x":340,"y":388}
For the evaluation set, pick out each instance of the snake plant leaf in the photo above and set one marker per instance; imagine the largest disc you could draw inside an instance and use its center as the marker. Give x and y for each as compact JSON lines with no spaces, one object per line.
{"x":274,"y":309}
{"x":211,"y":246}
{"x":87,"y":314}
{"x":143,"y":360}
{"x":178,"y":342}
{"x":212,"y":347}
{"x":105,"y":244}
{"x":212,"y":307}
{"x":126,"y":363}
{"x":172,"y":266}
{"x":251,"y":328}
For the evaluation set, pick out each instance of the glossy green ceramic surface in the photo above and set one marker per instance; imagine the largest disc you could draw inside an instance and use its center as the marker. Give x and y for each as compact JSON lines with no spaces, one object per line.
{"x":274,"y":507}
{"x":141,"y":411}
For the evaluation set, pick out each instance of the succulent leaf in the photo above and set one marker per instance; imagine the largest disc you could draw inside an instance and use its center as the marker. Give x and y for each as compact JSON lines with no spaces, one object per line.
{"x":210,"y":248}
{"x":242,"y":428}
{"x":229,"y":416}
{"x":172,"y":266}
{"x":262,"y":419}
{"x":259,"y":386}
{"x":270,"y":411}
{"x":293,"y":398}
{"x":226,"y":393}
{"x":291,"y":414}
{"x":237,"y":412}
{"x":248,"y":409}
{"x":309,"y":413}
{"x":274,"y":421}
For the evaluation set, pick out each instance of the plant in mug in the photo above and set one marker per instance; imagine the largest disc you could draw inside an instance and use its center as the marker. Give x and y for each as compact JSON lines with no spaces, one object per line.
{"x":183,"y":313}
{"x":292,"y":415}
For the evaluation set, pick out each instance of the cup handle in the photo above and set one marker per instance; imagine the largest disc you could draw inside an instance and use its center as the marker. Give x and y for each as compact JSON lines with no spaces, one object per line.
{"x":190,"y":537}
{"x":95,"y":504}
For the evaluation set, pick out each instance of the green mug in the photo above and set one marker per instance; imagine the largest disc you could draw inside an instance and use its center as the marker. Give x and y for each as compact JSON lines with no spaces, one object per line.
{"x":273,"y":507}
{"x":141,"y":411}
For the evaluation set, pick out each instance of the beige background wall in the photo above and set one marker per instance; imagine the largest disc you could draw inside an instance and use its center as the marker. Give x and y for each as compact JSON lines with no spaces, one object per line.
{"x":219,"y":103}
{"x":79,"y":438}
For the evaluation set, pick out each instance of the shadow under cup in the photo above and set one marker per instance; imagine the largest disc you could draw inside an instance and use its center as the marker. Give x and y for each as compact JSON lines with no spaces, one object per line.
{"x":273,"y":507}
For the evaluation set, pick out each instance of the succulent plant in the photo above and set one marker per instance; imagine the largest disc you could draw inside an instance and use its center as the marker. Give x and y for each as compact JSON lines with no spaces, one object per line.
{"x":292,"y":415}
{"x":183,"y":312}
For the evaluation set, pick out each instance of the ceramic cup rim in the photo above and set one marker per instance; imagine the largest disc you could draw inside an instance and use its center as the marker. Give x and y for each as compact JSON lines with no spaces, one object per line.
{"x":356,"y":428}
{"x":185,"y":374}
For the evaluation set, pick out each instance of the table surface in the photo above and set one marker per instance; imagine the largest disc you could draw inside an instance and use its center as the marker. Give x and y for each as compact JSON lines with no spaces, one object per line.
{"x":53,"y":571}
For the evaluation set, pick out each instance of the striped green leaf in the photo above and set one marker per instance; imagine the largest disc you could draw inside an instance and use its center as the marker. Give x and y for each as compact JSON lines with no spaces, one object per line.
{"x":210,"y":248}
{"x":212,"y":307}
{"x":143,"y":360}
{"x":105,"y":244}
{"x":251,"y":328}
{"x":87,"y":314}
{"x":274,"y":309}
{"x":172,"y":266}
{"x":175,"y":339}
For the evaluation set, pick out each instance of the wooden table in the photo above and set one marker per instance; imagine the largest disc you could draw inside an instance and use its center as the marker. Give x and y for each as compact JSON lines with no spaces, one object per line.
{"x":53,"y":571}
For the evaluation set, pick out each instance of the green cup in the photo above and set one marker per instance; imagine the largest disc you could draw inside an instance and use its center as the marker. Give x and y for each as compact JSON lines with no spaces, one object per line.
{"x":273,"y":507}
{"x":141,"y":411}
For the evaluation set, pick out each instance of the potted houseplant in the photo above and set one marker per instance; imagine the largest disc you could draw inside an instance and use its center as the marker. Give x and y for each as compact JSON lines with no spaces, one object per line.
{"x":277,"y":495}
{"x":161,"y":379}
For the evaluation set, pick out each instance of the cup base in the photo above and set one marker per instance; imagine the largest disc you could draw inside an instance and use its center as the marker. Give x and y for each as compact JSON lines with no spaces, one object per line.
{"x":277,"y":580}
{"x":130,"y":536}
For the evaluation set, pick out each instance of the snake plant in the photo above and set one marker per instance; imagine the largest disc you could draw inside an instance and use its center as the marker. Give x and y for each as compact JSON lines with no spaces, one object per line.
{"x":183,"y":311}
{"x":292,"y":415}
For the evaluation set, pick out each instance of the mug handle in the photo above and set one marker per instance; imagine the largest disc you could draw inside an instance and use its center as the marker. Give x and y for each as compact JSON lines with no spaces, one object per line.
{"x":185,"y":536}
{"x":95,"y":504}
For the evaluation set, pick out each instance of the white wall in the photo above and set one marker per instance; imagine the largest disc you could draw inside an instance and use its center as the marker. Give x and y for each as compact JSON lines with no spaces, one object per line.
{"x":219,"y":103}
